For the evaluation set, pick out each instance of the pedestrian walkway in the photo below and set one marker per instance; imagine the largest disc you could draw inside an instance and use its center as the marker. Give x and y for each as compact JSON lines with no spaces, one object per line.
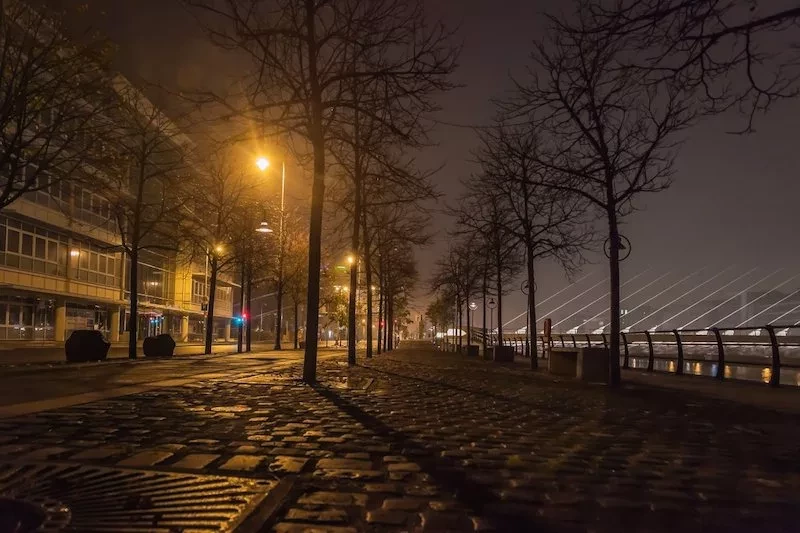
{"x":419,"y":440}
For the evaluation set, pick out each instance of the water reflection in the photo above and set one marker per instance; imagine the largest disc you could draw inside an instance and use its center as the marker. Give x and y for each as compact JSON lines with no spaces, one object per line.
{"x":789,"y":376}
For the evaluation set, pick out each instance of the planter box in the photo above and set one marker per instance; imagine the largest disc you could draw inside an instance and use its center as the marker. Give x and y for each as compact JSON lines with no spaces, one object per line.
{"x":503,"y":354}
{"x":587,"y":364}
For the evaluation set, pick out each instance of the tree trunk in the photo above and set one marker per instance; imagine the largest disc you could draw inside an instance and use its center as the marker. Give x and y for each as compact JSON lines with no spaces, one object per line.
{"x":368,"y":283}
{"x":296,"y":323}
{"x":240,"y":333}
{"x":531,"y":325}
{"x":390,"y":318}
{"x":133,"y":319}
{"x":469,"y":328}
{"x":381,"y":312}
{"x":614,"y":377}
{"x":459,"y":305}
{"x":317,"y":137}
{"x":484,"y":290}
{"x":279,"y":313}
{"x":249,"y":323}
{"x":499,"y":265}
{"x":212,"y":297}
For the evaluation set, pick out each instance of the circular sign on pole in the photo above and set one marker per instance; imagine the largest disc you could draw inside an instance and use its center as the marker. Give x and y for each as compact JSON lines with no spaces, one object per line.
{"x":624,"y":247}
{"x":473,"y":306}
{"x":491,"y":304}
{"x":525,"y":286}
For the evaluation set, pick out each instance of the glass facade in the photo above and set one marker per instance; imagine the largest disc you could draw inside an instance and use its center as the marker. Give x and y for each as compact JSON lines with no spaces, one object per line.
{"x":31,"y":248}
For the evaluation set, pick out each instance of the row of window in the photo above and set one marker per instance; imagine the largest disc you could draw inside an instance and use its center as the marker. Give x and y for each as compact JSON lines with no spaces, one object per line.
{"x":62,"y":196}
{"x":33,"y":249}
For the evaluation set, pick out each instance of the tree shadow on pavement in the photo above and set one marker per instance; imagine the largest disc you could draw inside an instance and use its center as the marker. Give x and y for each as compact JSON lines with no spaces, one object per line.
{"x":446,"y":472}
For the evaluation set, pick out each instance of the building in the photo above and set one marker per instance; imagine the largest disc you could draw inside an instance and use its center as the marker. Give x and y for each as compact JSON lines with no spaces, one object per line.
{"x":62,"y":269}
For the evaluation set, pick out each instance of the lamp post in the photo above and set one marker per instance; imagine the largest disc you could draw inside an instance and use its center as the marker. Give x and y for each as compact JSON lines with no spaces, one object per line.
{"x":492,"y":305}
{"x":263,"y":164}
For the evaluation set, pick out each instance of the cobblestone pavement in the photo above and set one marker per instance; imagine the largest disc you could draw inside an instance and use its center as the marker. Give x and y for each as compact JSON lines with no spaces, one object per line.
{"x":418,"y":440}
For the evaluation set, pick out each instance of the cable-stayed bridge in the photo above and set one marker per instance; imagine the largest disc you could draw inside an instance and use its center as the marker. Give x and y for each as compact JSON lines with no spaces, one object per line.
{"x":653,"y":300}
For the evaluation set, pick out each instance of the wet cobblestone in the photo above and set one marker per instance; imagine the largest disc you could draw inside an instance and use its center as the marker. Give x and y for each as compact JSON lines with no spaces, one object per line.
{"x":422,"y":441}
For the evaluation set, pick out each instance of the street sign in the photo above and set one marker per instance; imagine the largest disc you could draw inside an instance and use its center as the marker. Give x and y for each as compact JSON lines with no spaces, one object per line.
{"x":492,"y":304}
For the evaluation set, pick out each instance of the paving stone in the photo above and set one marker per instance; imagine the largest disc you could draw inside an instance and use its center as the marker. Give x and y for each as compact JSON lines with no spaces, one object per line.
{"x":287,"y":465}
{"x":243,"y":462}
{"x":343,"y":464}
{"x":246,"y":449}
{"x":387,"y":518}
{"x":357,"y":455}
{"x":196,"y":461}
{"x":404,"y":467}
{"x":435,"y":521}
{"x":331,"y":515}
{"x":145,"y":458}
{"x":388,"y":488}
{"x":333,"y":498}
{"x":404,"y":504}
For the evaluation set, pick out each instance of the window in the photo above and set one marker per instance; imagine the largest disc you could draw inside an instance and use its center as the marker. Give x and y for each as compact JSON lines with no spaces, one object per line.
{"x":13,"y":241}
{"x":27,"y":244}
{"x":41,"y":248}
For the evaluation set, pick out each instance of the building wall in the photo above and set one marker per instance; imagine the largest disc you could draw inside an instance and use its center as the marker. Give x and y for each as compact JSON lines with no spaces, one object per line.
{"x":61,"y":269}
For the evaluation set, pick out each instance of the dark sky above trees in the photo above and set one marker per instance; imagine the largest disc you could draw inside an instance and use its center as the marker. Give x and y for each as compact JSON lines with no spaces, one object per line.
{"x":734,"y":198}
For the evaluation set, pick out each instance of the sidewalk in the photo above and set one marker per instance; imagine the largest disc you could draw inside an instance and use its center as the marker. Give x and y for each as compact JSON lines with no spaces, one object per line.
{"x":418,"y":440}
{"x":53,"y":353}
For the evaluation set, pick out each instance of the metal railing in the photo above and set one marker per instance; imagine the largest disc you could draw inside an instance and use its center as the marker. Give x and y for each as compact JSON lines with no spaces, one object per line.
{"x":723,"y":353}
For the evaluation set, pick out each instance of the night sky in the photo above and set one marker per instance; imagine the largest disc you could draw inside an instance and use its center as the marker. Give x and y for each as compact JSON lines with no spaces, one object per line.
{"x":735,"y":198}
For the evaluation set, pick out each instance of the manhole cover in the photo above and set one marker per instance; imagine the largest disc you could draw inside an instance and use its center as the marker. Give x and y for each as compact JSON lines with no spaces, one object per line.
{"x":76,"y":498}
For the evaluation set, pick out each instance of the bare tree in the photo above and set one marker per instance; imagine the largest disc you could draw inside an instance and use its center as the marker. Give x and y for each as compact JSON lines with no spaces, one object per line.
{"x":483,"y":215}
{"x":53,"y":95}
{"x":224,"y":217}
{"x":149,"y":173}
{"x":305,"y":57}
{"x":730,"y":54}
{"x":459,"y":274}
{"x":547,"y":223}
{"x":606,"y":134}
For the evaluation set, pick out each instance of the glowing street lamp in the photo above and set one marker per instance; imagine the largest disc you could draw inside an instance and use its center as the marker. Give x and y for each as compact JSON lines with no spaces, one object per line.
{"x":262,"y":163}
{"x":264,"y":228}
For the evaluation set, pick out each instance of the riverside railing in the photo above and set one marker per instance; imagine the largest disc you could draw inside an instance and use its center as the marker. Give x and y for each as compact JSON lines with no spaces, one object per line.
{"x":768,"y":353}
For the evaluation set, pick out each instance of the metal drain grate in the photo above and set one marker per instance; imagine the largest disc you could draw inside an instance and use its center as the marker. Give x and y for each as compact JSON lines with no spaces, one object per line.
{"x":77,"y":498}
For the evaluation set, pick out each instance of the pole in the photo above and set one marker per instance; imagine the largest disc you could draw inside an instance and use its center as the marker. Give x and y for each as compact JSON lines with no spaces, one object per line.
{"x":281,"y":250}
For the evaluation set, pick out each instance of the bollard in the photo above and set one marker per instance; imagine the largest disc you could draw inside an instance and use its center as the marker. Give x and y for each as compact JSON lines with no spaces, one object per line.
{"x":775,"y":377}
{"x":651,"y":356}
{"x":626,"y":361}
{"x":679,"y":370}
{"x":720,"y":355}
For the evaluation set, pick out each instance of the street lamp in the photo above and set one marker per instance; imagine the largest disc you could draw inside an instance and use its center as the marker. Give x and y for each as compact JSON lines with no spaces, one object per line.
{"x":264,"y":228}
{"x":263,"y":164}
